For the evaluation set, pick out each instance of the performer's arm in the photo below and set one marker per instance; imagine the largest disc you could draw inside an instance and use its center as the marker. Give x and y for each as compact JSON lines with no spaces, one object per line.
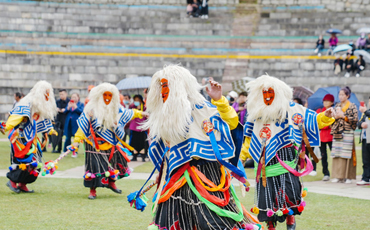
{"x":244,"y":154}
{"x":13,"y":121}
{"x":323,"y":120}
{"x":227,"y":113}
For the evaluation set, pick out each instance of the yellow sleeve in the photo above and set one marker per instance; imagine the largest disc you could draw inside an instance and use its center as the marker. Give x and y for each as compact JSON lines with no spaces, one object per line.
{"x":137,"y":114}
{"x":244,"y":154}
{"x":323,"y":120}
{"x":13,"y":121}
{"x":227,"y":112}
{"x":79,"y":136}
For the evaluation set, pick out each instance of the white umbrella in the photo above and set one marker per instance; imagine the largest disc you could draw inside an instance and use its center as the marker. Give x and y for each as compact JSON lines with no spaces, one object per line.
{"x":363,"y":30}
{"x":365,"y":55}
{"x":134,"y":83}
{"x":342,"y":48}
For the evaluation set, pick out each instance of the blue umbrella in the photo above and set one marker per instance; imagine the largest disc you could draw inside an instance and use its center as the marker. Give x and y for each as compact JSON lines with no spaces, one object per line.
{"x":315,"y":101}
{"x":134,"y":83}
{"x":342,"y":48}
{"x":333,"y":31}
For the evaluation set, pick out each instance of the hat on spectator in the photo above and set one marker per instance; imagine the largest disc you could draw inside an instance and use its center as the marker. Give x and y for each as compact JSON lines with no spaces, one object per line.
{"x":328,"y":97}
{"x":233,"y":94}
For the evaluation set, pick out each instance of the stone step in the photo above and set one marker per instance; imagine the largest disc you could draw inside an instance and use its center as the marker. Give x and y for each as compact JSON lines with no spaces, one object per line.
{"x":122,"y":3}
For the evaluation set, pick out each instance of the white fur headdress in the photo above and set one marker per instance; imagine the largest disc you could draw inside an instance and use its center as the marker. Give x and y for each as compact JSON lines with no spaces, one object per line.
{"x":257,"y":109}
{"x":106,"y":115}
{"x":36,"y":98}
{"x":169,"y":120}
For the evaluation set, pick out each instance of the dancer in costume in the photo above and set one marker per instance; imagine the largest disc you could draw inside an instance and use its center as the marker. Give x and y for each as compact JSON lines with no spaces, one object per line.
{"x":278,"y":132}
{"x":101,"y":126}
{"x":193,"y":137}
{"x":32,"y":115}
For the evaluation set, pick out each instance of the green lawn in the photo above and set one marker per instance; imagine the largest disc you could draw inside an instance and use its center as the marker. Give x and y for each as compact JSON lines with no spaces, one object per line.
{"x":63,"y":204}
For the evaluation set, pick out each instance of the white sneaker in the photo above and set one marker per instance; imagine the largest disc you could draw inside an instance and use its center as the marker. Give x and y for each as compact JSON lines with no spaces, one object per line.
{"x":74,"y":154}
{"x":316,"y":51}
{"x":362,"y":182}
{"x":326,"y":178}
{"x":319,"y":55}
{"x":313,"y":173}
{"x":357,"y":75}
{"x":348,"y":181}
{"x":346,"y":75}
{"x":335,"y":180}
{"x":206,"y":16}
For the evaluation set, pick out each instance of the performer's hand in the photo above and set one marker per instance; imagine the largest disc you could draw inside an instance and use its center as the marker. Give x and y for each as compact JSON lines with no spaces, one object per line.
{"x":362,"y":109}
{"x":215,"y":91}
{"x":329,"y":112}
{"x":2,"y":131}
{"x":364,"y":125}
{"x":145,"y":114}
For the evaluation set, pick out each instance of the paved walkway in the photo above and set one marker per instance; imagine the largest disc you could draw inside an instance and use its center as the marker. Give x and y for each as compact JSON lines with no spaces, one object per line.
{"x":320,"y":187}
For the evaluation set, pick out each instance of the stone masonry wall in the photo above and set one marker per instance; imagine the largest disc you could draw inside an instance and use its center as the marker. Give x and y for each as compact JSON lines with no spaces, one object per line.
{"x":145,"y":2}
{"x":332,"y":5}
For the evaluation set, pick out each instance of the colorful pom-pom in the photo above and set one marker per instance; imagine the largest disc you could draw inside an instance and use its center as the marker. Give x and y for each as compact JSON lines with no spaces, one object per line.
{"x":39,"y":165}
{"x":23,"y":166}
{"x":290,"y":212}
{"x":256,"y":210}
{"x":305,"y":189}
{"x":34,"y":164}
{"x":300,"y":209}
{"x":304,"y":193}
{"x":247,"y":189}
{"x":249,"y":227}
{"x":56,"y":167}
{"x":303,"y":203}
{"x":92,"y":176}
{"x":126,"y":175}
{"x":116,"y":171}
{"x":88,"y":174}
{"x":43,"y":173}
{"x":270,"y":213}
{"x":107,"y":174}
{"x":285,"y":211}
{"x":98,"y":175}
{"x":279,"y":213}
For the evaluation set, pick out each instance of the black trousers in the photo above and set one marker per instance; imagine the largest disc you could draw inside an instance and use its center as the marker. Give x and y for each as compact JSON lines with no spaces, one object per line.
{"x":366,"y":161}
{"x":324,"y":157}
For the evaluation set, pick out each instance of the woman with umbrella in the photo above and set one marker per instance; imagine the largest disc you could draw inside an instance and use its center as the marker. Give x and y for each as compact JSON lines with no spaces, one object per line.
{"x":343,"y":150}
{"x":333,"y":41}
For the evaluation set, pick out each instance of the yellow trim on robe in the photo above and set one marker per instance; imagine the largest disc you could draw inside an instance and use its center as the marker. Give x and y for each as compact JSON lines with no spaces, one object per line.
{"x":13,"y":121}
{"x":323,"y":120}
{"x":79,"y":136}
{"x":227,"y":112}
{"x":244,"y":154}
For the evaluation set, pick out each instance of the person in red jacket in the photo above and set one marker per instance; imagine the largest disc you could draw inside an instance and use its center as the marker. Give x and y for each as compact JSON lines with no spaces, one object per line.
{"x":325,"y":137}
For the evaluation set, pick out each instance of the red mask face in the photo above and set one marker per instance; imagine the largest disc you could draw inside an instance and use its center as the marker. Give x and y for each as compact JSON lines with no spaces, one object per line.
{"x":107,"y":96}
{"x":165,"y":90}
{"x":47,"y":93}
{"x":268,"y":95}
